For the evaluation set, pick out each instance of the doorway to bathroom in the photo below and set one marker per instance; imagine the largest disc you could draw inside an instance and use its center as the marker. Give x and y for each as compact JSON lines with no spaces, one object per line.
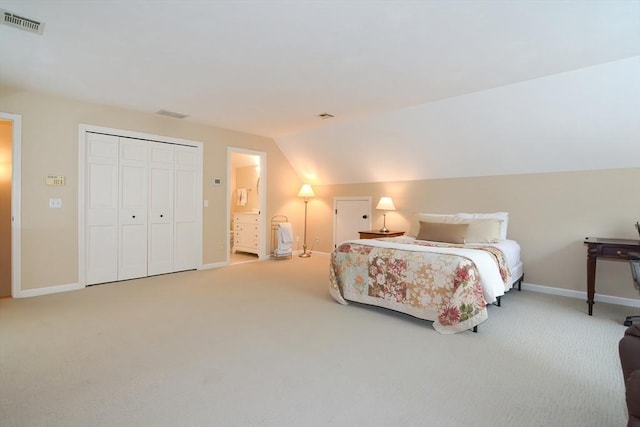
{"x":247,"y":205}
{"x":10,"y":260}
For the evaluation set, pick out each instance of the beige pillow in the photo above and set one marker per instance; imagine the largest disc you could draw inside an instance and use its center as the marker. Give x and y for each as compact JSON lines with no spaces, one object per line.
{"x":502,"y":216}
{"x":485,"y":230}
{"x":442,"y":232}
{"x":429,"y":217}
{"x":481,"y":230}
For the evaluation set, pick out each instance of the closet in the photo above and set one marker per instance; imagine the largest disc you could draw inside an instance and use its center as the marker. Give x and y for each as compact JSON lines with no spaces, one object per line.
{"x":141,"y":205}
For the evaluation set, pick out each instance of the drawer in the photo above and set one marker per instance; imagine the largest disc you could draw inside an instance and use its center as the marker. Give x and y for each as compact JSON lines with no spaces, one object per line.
{"x":615,"y":252}
{"x":246,"y":218}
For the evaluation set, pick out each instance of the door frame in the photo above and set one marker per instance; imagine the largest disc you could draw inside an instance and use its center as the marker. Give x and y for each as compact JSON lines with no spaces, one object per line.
{"x":16,"y":173}
{"x":262,"y":190}
{"x":335,"y":216}
{"x":83,"y":129}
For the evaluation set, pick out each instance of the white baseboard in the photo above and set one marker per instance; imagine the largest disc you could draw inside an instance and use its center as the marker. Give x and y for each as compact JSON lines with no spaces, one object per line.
{"x":213,"y":265}
{"x":48,"y":290}
{"x":629,"y":302}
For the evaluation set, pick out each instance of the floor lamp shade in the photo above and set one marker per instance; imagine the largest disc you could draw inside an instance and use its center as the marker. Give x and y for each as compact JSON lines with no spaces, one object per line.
{"x":385,"y":204}
{"x":305,"y":191}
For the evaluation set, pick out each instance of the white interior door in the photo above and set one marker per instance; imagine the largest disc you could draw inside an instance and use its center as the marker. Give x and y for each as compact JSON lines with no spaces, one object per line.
{"x":352,"y":214}
{"x":101,"y":260}
{"x":161,"y":197}
{"x":132,"y":260}
{"x":186,"y":208}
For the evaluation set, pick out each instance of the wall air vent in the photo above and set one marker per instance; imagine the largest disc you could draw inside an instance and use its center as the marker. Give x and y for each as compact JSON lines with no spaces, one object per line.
{"x":17,"y":21}
{"x":171,"y":114}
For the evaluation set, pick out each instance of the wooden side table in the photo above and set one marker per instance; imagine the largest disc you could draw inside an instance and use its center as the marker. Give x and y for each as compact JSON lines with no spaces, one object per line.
{"x":607,"y":249}
{"x":375,"y":234}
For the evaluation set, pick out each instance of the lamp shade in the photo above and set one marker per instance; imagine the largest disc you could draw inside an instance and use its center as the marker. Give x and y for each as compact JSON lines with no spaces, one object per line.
{"x":306,"y":191}
{"x":386,"y":204}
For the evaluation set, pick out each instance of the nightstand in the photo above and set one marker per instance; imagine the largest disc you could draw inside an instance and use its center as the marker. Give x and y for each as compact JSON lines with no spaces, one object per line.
{"x":375,"y":234}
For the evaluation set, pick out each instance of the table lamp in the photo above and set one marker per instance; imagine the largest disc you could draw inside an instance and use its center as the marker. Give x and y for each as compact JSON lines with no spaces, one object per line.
{"x":385,"y":204}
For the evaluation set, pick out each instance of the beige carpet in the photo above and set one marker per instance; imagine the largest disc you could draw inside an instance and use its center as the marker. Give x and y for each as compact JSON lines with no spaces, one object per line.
{"x":263,"y":344}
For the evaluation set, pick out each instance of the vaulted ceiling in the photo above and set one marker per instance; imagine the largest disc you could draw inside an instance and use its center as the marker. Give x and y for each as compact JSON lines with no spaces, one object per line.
{"x":271,"y":67}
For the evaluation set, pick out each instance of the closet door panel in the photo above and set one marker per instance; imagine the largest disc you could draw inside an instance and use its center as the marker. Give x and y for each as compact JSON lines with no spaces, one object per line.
{"x":161,"y":197}
{"x":132,"y":260}
{"x":133,"y":255}
{"x":101,"y":236}
{"x":102,"y":259}
{"x":186,"y":205}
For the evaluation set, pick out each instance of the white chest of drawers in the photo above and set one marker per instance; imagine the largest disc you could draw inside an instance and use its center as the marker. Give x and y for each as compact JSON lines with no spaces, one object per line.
{"x":245,"y":232}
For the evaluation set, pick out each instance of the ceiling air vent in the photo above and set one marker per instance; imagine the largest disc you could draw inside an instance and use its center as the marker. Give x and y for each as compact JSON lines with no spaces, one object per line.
{"x":171,"y":114}
{"x":17,"y":21}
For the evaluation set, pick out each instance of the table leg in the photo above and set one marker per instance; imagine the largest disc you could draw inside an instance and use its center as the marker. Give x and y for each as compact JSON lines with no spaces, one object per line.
{"x":591,"y":276}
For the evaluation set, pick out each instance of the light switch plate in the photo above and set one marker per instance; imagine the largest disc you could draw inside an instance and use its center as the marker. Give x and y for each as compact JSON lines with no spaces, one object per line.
{"x":55,"y":203}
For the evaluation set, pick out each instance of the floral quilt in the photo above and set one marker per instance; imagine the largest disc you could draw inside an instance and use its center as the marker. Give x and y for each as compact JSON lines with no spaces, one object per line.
{"x":498,"y":256}
{"x":443,"y":288}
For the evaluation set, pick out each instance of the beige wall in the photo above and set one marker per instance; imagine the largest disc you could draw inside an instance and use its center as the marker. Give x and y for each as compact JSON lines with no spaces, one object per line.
{"x":6,"y":137}
{"x":550,"y":215}
{"x":50,"y":147}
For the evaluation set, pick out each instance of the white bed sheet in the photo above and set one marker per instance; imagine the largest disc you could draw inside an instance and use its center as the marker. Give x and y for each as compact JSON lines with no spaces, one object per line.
{"x":516,"y":273}
{"x":511,"y":250}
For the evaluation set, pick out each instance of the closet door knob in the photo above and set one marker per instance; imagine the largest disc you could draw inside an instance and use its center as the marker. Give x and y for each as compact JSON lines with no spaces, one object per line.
{"x":161,"y":216}
{"x":133,"y":216}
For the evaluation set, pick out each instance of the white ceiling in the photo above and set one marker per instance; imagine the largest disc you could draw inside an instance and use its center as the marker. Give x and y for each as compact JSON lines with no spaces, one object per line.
{"x":270,"y":67}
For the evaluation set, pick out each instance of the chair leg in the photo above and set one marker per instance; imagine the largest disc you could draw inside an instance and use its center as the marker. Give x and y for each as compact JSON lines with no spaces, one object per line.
{"x":630,"y":319}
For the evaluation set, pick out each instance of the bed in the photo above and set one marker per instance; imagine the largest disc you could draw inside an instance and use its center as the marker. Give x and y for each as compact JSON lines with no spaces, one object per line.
{"x":447,"y":272}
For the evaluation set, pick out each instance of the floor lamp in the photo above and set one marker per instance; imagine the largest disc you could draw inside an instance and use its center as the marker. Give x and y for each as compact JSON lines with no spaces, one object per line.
{"x":306,"y":191}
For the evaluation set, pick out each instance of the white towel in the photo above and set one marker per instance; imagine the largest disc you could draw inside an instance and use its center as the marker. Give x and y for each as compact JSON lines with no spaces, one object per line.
{"x":285,"y":233}
{"x":242,"y":196}
{"x":285,"y":238}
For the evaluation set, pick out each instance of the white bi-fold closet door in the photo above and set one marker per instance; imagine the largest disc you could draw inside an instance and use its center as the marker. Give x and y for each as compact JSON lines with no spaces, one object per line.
{"x":141,"y":208}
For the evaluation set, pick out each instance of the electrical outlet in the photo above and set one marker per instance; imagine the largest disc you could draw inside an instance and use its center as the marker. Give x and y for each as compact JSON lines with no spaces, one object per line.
{"x":298,"y":239}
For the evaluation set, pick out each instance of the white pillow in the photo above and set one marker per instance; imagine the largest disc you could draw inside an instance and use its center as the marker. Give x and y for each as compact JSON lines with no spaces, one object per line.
{"x":503,"y":216}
